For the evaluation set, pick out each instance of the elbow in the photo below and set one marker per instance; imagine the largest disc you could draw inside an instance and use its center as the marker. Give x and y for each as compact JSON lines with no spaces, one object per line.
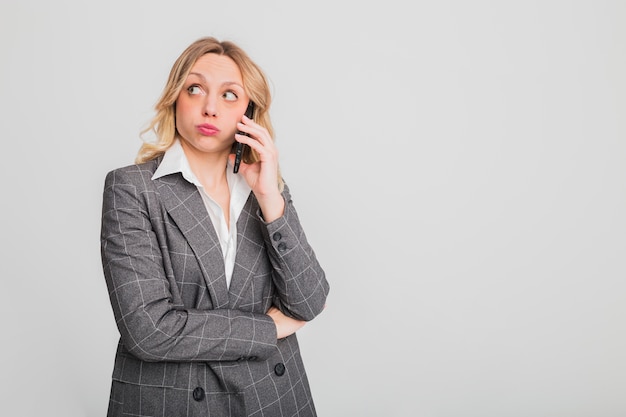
{"x":143,"y":353}
{"x":310,"y":308}
{"x":316,"y":310}
{"x":319,"y":302}
{"x":150,"y":349}
{"x":151,"y":341}
{"x":313,"y":309}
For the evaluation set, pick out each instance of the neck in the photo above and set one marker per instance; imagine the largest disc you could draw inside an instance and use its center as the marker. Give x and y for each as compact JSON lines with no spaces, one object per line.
{"x":209,"y":168}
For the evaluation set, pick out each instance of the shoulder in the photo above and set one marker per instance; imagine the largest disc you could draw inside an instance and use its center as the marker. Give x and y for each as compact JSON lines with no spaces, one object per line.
{"x":134,"y":174}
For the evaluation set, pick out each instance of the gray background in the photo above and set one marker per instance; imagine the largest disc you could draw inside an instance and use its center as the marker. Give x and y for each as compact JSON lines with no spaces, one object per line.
{"x":458,"y":165}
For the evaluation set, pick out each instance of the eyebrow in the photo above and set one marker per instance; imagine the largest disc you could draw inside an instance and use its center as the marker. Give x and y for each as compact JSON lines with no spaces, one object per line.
{"x":225,"y":83}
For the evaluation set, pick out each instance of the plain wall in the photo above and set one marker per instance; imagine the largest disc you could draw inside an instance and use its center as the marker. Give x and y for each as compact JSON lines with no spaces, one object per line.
{"x":459,"y":168}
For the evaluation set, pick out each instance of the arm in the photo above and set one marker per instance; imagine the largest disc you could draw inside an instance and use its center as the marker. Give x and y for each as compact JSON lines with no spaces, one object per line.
{"x":300,"y":281}
{"x":152,"y":324}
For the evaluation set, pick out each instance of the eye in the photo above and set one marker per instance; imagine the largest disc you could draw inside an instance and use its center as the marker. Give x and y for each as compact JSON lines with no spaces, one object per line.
{"x":230,"y":96}
{"x":194,"y":89}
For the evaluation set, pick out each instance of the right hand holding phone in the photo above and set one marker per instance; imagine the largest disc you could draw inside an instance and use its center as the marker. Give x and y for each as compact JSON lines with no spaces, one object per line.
{"x":262,"y":175}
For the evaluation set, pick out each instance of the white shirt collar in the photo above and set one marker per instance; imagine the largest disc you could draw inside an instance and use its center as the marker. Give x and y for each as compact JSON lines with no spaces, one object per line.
{"x":174,"y":161}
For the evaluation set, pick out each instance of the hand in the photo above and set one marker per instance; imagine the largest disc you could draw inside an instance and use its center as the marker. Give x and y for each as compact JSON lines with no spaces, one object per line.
{"x":285,"y":326}
{"x":261,"y":176}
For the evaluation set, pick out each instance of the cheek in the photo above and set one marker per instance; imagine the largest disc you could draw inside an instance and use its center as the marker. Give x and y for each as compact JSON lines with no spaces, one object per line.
{"x":183,"y":110}
{"x":182,"y":107}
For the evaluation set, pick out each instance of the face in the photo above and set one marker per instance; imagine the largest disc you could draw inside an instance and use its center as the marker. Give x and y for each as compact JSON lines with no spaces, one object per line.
{"x":210,"y":104}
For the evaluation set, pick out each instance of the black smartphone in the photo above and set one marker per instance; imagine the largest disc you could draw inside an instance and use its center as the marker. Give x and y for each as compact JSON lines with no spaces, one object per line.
{"x":239,"y":147}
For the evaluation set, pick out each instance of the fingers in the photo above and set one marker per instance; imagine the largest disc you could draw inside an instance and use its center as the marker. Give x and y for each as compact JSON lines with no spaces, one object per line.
{"x":285,"y":325}
{"x":262,"y":175}
{"x":259,"y":139}
{"x":254,"y":131}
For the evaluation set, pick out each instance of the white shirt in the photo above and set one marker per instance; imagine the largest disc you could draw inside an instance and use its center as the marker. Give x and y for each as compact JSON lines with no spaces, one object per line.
{"x":174,"y":161}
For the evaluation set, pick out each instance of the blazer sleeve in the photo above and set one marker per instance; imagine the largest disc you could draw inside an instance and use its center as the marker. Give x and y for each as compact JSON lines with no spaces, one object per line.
{"x":151,"y":325}
{"x":300,"y":281}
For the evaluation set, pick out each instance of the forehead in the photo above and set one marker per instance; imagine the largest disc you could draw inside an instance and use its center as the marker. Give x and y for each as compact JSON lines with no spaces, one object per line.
{"x":217,"y":68}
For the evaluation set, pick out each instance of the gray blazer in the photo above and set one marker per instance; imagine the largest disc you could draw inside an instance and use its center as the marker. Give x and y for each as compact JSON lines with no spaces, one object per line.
{"x":190,"y":345}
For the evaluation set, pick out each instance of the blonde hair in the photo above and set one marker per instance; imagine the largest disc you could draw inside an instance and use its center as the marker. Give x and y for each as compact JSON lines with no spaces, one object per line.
{"x":163,"y":124}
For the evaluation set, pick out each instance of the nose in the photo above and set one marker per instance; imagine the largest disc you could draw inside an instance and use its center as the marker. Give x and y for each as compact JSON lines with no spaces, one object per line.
{"x":210,"y":106}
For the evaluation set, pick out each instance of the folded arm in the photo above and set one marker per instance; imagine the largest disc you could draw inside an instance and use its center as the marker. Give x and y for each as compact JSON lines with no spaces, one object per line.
{"x":300,"y":281}
{"x":153,"y":326}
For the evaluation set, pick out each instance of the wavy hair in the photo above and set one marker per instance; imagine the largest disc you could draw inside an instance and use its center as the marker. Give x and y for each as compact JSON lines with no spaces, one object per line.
{"x":163,"y":124}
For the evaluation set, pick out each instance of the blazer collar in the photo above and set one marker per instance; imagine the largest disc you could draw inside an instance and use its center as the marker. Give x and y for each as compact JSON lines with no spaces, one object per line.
{"x":250,"y":245}
{"x":183,"y":202}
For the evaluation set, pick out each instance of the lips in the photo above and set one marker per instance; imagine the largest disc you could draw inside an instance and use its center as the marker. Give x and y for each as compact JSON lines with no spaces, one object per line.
{"x":207,"y":129}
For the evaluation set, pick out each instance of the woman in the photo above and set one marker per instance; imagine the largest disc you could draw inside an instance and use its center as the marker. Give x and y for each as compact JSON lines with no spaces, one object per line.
{"x":209,"y":271}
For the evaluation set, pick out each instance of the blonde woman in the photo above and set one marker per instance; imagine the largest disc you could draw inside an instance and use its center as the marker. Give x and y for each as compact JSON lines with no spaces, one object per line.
{"x":209,"y":271}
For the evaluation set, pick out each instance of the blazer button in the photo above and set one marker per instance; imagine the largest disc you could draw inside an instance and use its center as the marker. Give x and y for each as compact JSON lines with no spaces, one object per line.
{"x":198,"y":394}
{"x":282,"y":247}
{"x":277,"y":236}
{"x":279,"y":369}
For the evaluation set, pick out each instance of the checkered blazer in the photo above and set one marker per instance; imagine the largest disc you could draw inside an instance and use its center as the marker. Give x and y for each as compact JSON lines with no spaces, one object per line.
{"x":190,"y":345}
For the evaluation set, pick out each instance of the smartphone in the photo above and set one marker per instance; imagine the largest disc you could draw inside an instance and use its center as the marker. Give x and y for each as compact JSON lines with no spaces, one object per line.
{"x":239,"y":147}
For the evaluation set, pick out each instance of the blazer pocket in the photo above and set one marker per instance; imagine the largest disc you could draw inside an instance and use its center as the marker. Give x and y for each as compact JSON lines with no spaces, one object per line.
{"x":136,"y":400}
{"x":131,"y":370}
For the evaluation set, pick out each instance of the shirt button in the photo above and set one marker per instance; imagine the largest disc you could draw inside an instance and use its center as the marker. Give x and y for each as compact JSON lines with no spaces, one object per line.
{"x":198,"y":394}
{"x":279,"y":369}
{"x":282,"y":247}
{"x":277,"y":236}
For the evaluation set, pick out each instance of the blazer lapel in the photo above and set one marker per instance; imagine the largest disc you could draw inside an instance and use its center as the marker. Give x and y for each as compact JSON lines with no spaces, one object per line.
{"x":184,"y":204}
{"x":250,"y":246}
